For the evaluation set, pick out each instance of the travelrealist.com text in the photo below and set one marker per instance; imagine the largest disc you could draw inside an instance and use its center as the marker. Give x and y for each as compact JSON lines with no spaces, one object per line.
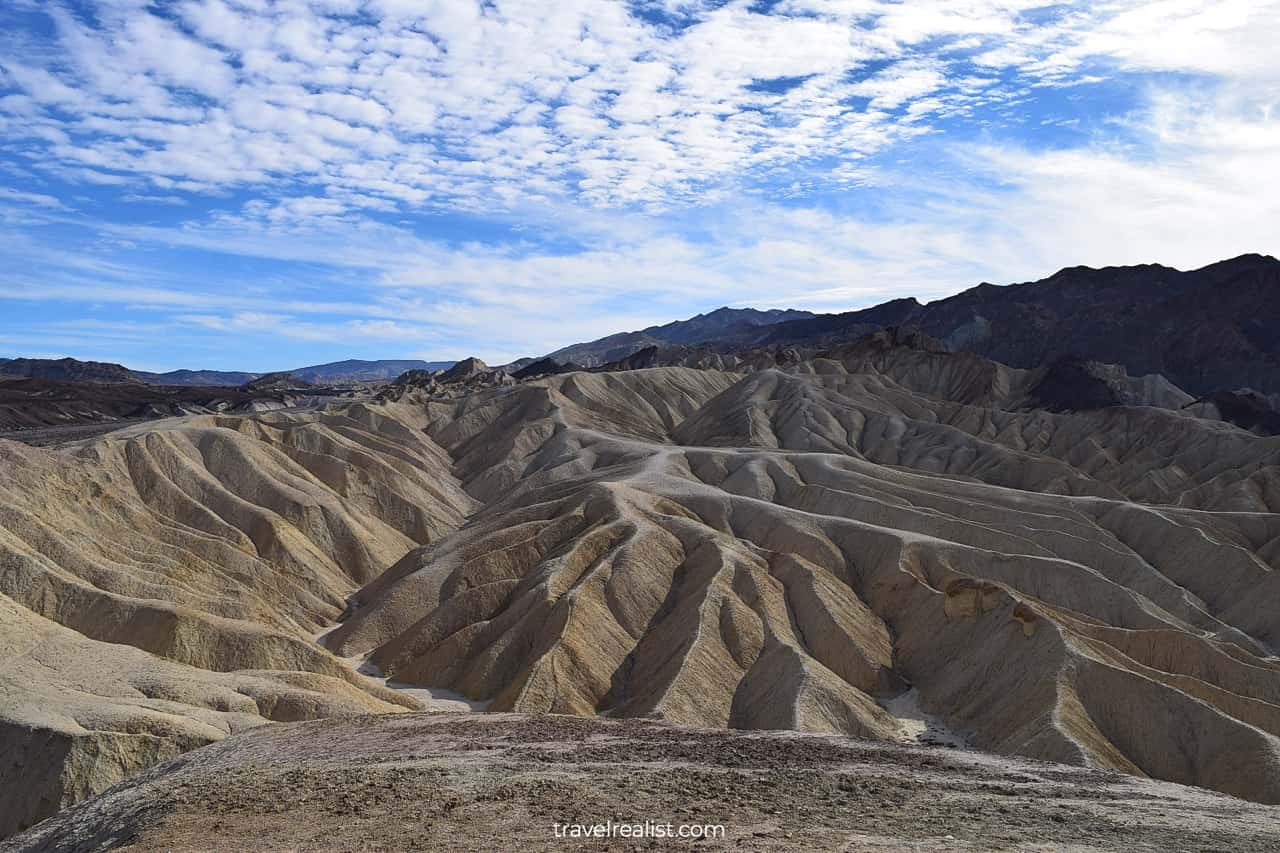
{"x":638,"y":829}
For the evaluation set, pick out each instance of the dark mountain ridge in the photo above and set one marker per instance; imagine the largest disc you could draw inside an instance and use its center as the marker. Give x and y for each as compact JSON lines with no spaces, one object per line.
{"x":68,"y":370}
{"x":1213,"y":328}
{"x":1206,"y":329}
{"x":722,"y":324}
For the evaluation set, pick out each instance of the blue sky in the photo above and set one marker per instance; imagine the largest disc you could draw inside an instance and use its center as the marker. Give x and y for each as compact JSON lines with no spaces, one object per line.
{"x":261,"y":184}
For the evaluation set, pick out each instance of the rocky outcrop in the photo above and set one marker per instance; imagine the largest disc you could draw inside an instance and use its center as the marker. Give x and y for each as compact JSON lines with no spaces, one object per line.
{"x":468,"y":368}
{"x":543,"y":367}
{"x":281,"y":381}
{"x":1245,"y":408}
{"x":1073,"y":384}
{"x":466,"y":376}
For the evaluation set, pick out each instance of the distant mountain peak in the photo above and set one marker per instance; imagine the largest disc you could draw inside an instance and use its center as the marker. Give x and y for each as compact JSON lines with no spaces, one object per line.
{"x":279,"y":381}
{"x":465,"y":369}
{"x":722,"y":324}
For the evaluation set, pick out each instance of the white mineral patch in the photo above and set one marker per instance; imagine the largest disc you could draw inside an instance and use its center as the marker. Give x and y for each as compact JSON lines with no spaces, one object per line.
{"x":917,"y":726}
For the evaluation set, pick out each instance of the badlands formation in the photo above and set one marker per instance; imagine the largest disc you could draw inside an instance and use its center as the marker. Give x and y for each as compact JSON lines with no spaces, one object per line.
{"x":811,"y":543}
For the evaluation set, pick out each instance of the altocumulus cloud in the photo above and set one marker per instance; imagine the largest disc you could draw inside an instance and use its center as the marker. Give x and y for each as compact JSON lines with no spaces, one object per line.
{"x":404,"y":171}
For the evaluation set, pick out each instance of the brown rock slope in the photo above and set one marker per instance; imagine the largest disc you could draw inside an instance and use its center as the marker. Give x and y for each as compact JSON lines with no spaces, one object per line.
{"x":785,"y":548}
{"x":504,"y":781}
{"x":160,"y":588}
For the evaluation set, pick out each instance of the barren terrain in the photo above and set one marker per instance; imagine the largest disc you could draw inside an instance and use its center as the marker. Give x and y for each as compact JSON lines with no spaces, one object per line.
{"x":486,"y":782}
{"x":885,"y":541}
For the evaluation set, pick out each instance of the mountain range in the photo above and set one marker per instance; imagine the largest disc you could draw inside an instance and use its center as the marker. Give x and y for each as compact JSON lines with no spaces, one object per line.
{"x":723,"y":324}
{"x":73,"y":370}
{"x":1207,"y":329}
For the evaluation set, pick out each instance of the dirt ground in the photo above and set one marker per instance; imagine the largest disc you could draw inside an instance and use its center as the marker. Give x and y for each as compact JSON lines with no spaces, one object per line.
{"x":501,"y":782}
{"x":51,"y":436}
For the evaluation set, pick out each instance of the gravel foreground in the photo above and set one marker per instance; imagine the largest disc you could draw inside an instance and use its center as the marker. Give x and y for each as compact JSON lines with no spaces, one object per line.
{"x":503,"y":781}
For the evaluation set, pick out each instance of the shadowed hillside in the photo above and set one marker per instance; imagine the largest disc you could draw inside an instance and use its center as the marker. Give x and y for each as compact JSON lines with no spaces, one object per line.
{"x":1206,"y":330}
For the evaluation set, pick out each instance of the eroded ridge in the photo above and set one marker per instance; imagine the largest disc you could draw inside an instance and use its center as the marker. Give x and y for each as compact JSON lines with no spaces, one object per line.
{"x":793,"y":549}
{"x":788,"y":544}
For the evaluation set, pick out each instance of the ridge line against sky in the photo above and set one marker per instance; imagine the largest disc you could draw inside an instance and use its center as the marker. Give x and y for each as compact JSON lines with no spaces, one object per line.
{"x":254,"y":184}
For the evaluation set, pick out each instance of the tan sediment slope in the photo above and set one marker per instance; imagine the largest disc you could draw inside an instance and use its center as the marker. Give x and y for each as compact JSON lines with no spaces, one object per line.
{"x":159,"y":588}
{"x":782,"y":549}
{"x":765,"y":549}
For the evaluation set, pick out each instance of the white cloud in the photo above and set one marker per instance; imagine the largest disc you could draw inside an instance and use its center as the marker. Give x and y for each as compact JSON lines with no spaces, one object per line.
{"x":1207,"y":188}
{"x":38,"y":199}
{"x":458,"y":103}
{"x":143,"y":198}
{"x":266,"y":324}
{"x":583,"y":119}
